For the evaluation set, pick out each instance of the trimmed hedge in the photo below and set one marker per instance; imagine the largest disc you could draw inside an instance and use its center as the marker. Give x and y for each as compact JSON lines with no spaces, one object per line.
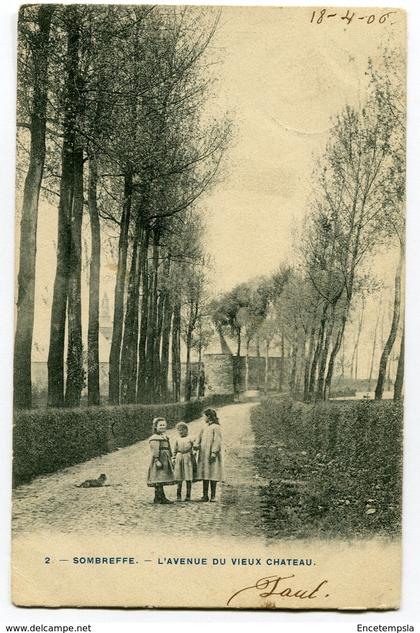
{"x":332,"y":468}
{"x":46,"y":440}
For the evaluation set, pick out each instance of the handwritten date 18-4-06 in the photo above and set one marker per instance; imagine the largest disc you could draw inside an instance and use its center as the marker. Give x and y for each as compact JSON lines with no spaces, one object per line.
{"x":323,"y":16}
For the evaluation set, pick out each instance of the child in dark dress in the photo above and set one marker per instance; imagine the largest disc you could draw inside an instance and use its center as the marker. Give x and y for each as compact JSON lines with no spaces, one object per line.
{"x":160,"y":472}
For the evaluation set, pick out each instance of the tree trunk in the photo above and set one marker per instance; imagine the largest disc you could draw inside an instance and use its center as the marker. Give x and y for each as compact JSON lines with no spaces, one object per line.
{"x":176,"y":357}
{"x":199,"y":371}
{"x":117,"y":324}
{"x":164,"y":360}
{"x":61,"y":282}
{"x":314,"y":365}
{"x":151,"y":377}
{"x":238,"y":339}
{"x":372,"y":358}
{"x":355,"y":356}
{"x":333,"y":355}
{"x":187,"y":390}
{"x":343,"y":358}
{"x":141,"y":374}
{"x":399,"y":378}
{"x":326,"y":329}
{"x":266,"y":367}
{"x":307,"y":369}
{"x":258,"y":351}
{"x":128,"y":366}
{"x":300,"y":368}
{"x":236,"y":365}
{"x":388,"y":373}
{"x":22,"y":391}
{"x":192,"y":321}
{"x":392,"y":335}
{"x":281,"y":373}
{"x":59,"y":302}
{"x":75,"y":371}
{"x":94,"y":288}
{"x":247,"y":364}
{"x":157,"y":344}
{"x":293,"y":367}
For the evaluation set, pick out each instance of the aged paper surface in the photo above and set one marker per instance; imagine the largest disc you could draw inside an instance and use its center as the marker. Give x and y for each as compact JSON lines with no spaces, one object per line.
{"x":209,"y":350}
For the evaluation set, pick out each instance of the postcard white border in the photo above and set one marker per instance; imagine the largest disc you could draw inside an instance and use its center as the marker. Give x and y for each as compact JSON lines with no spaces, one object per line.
{"x":409,"y":612}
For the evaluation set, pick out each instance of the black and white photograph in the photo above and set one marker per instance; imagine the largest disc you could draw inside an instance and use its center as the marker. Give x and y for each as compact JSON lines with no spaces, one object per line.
{"x":208,"y":374}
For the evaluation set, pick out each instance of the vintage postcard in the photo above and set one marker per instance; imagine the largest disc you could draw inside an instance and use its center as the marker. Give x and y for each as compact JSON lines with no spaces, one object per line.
{"x":209,"y":346}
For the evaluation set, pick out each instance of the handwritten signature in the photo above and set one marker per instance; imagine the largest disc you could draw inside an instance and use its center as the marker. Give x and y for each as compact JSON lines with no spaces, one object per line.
{"x":274,"y":586}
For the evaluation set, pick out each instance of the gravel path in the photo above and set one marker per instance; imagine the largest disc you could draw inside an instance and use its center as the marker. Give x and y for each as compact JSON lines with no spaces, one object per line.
{"x":54,"y":503}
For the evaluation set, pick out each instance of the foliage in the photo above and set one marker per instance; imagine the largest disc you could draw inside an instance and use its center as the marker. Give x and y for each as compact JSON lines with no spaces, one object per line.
{"x":127,"y":91}
{"x":331,"y":469}
{"x":243,"y":309}
{"x":355,"y":208}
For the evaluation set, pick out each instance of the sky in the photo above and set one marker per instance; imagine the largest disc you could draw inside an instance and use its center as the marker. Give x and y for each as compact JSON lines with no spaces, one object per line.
{"x":283,"y":79}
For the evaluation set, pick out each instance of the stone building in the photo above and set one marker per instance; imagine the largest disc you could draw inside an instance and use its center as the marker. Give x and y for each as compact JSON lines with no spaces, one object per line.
{"x":221,"y":368}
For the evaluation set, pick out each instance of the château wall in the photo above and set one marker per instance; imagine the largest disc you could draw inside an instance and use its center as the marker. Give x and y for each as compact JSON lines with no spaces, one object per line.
{"x":218,"y":370}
